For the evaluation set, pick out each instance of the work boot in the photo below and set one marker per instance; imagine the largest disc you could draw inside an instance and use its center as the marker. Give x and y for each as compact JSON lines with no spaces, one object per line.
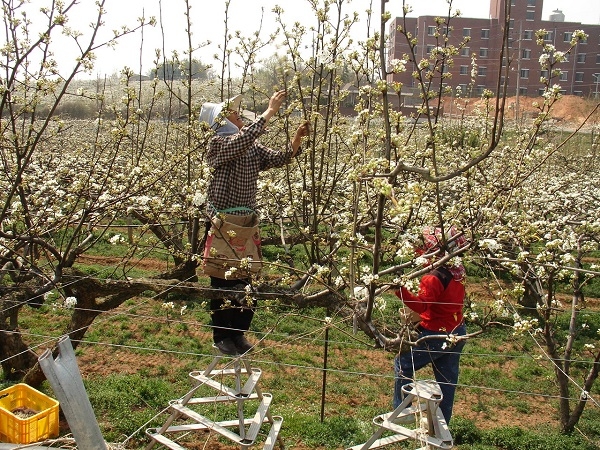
{"x":241,"y":343}
{"x":227,"y":347}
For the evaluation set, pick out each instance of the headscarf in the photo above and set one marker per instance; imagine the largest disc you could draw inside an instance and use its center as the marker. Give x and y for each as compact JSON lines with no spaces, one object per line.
{"x":432,"y":241}
{"x":214,"y":115}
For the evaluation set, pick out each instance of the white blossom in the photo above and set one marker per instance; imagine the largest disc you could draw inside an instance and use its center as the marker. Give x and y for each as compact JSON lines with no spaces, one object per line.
{"x":70,"y":302}
{"x":490,"y":244}
{"x":116,"y":239}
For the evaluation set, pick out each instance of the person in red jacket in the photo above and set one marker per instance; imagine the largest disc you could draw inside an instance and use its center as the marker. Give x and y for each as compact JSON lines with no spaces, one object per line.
{"x":439,"y":304}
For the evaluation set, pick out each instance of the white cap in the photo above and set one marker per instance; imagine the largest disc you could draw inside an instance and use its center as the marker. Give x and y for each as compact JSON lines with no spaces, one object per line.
{"x":210,"y":111}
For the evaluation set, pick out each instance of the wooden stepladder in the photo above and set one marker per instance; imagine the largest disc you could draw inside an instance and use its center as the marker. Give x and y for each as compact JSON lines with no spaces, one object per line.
{"x":419,"y":407}
{"x":189,"y":413}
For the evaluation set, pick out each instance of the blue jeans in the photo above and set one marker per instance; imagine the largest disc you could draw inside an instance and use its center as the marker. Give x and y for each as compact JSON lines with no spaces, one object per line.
{"x":444,"y":360}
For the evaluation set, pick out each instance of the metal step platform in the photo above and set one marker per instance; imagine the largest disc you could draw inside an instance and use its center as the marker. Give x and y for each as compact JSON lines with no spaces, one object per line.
{"x":237,"y":397}
{"x":419,"y":411}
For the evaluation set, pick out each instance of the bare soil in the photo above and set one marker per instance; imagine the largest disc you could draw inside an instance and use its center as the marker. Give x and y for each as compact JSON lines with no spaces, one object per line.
{"x":93,"y":363}
{"x":569,"y":110}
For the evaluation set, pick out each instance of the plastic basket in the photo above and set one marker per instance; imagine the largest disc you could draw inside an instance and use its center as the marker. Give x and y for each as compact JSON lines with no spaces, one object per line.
{"x":42,"y":424}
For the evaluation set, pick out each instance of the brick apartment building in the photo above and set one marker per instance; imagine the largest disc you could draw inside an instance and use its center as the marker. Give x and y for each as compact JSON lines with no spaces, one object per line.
{"x":580,"y":75}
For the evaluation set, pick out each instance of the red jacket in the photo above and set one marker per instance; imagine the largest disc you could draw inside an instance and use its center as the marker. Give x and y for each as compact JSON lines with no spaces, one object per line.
{"x":440,"y":309}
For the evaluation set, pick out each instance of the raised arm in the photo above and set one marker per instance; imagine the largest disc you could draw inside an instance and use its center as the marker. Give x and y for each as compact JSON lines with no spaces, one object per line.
{"x":275,"y":103}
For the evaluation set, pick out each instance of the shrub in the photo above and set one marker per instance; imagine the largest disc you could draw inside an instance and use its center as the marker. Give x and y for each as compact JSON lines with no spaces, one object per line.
{"x":330,"y":433}
{"x":127,"y":401}
{"x":76,"y":109}
{"x":515,"y":438}
{"x":464,"y":431}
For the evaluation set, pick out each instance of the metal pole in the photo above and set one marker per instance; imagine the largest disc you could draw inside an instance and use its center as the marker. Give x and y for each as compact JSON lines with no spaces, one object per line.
{"x":325,"y":355}
{"x":65,"y":378}
{"x":240,"y":401}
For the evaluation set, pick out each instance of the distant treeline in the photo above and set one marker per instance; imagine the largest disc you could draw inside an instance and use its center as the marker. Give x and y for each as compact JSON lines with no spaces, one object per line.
{"x":179,"y":70}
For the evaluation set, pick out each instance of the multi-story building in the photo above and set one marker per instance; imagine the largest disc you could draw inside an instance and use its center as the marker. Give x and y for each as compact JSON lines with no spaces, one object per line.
{"x":580,"y":75}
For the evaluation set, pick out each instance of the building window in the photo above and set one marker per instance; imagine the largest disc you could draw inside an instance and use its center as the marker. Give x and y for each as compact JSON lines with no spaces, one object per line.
{"x":523,"y":91}
{"x":524,"y":73}
{"x":430,"y":49}
{"x":567,"y":35}
{"x":579,"y":76}
{"x":530,"y":2}
{"x":464,"y":70}
{"x":513,"y":2}
{"x":530,"y":15}
{"x":511,"y":24}
{"x":465,"y":51}
{"x":544,"y":74}
{"x":528,"y":35}
{"x":581,"y":57}
{"x":482,"y":71}
{"x":526,"y":53}
{"x":431,"y":31}
{"x":466,"y":32}
{"x":598,"y":58}
{"x":541,"y":91}
{"x":483,"y":52}
{"x":563,"y":76}
{"x":485,"y":34}
{"x":583,"y":40}
{"x":549,"y":36}
{"x":579,"y":93}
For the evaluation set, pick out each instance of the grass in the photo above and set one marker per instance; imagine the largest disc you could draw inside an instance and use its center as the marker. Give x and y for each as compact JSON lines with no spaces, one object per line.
{"x":145,"y":360}
{"x":138,"y":358}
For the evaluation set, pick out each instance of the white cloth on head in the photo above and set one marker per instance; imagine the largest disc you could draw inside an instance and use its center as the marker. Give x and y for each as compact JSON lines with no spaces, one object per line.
{"x":211,"y":114}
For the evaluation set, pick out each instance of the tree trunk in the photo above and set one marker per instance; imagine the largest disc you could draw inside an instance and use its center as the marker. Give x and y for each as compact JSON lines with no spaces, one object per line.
{"x":17,"y":358}
{"x":81,"y":320}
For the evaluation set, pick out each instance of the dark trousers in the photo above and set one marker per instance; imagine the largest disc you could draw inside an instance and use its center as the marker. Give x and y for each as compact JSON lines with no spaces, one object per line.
{"x":232,"y":312}
{"x":444,"y":359}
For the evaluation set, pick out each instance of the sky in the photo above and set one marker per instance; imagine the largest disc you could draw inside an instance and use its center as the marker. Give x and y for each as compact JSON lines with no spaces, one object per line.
{"x":244,"y":15}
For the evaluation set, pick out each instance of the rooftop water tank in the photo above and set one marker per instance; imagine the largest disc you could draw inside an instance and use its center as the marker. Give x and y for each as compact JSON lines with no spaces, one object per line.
{"x":557,"y":16}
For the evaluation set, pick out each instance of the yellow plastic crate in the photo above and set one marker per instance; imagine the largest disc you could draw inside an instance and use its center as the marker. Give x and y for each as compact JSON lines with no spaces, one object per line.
{"x":36,"y":427}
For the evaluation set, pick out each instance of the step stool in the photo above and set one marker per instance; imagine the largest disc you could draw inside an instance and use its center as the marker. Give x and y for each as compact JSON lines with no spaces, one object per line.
{"x":245,"y":393}
{"x":420,"y":406}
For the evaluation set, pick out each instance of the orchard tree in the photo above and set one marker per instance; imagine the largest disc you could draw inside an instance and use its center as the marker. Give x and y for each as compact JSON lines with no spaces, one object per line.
{"x":65,"y":183}
{"x":350,"y":206}
{"x":41,"y":198}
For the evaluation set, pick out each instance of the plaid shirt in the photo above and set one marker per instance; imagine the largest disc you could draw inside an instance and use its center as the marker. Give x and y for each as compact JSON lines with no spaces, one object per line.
{"x":237,"y":161}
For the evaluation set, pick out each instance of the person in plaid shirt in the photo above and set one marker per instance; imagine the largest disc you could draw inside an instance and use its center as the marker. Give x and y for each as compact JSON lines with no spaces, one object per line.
{"x":237,"y":160}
